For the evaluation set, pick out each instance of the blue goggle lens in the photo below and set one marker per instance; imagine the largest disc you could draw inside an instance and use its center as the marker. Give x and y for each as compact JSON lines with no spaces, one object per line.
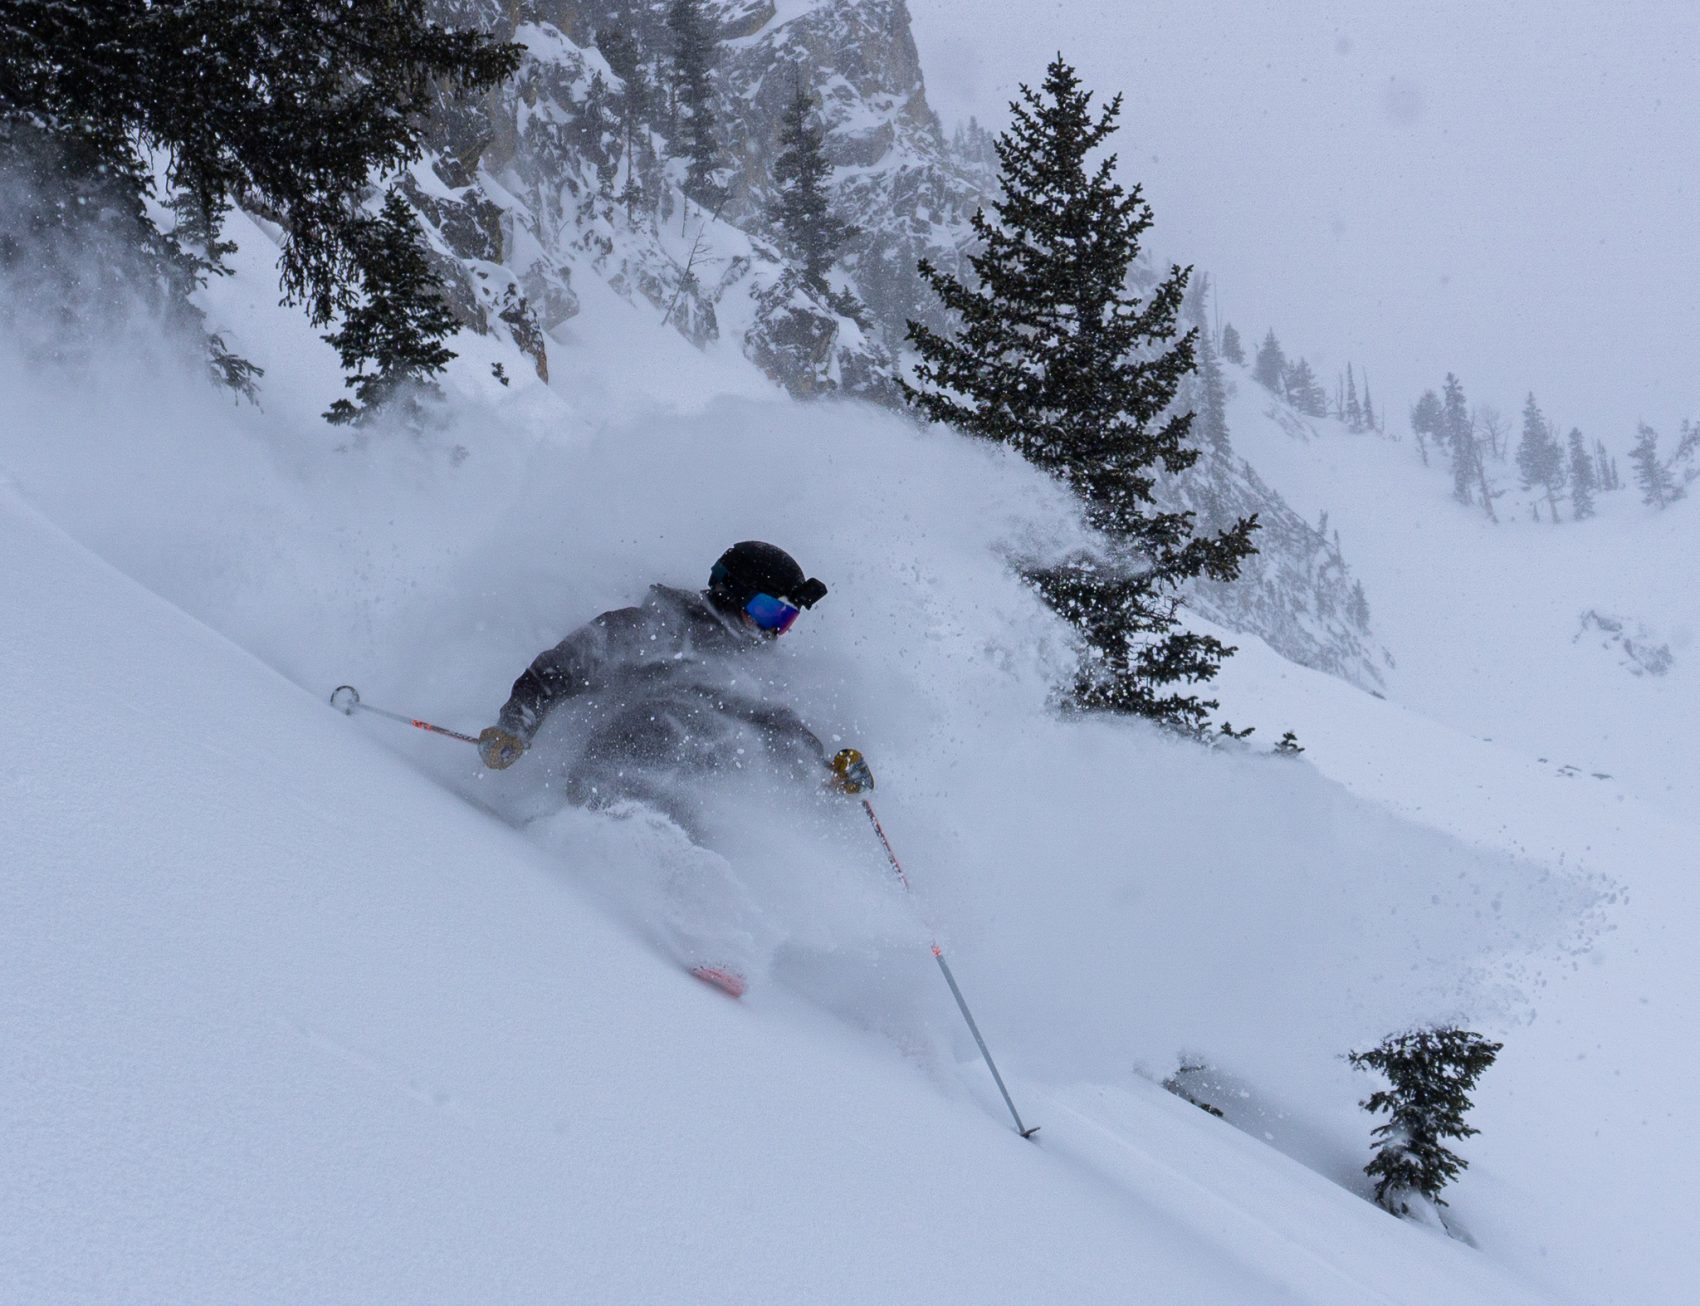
{"x":772,"y":614}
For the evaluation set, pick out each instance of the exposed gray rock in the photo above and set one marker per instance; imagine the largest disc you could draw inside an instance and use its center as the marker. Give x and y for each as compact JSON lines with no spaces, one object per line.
{"x":1637,"y":649}
{"x":815,"y":348}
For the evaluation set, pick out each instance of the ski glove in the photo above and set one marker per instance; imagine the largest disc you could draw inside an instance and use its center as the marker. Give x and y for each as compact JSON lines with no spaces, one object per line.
{"x":498,"y":748}
{"x":850,"y":773}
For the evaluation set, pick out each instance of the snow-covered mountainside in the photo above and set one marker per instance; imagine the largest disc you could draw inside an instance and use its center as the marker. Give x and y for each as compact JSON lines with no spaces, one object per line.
{"x":546,"y":190}
{"x":311,"y":1008}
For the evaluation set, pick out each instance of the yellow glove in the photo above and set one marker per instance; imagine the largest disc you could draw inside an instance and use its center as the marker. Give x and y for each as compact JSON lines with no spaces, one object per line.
{"x":850,"y":773}
{"x":498,"y":748}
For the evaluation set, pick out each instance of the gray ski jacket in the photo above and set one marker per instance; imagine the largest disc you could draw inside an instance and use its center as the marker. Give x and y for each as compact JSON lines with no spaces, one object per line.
{"x":659,"y":692}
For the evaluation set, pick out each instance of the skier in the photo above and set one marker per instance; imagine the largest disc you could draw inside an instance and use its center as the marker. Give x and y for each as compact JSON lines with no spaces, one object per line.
{"x":648,"y":703}
{"x":662,"y":696}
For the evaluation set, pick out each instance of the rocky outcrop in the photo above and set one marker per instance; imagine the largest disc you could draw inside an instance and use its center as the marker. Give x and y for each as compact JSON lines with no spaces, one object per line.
{"x":1297,"y":591}
{"x":895,"y":178}
{"x":545,"y":151}
{"x":813,"y":347}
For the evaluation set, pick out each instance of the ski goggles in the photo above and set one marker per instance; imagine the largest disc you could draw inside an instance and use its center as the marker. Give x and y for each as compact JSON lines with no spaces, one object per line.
{"x":771,"y":614}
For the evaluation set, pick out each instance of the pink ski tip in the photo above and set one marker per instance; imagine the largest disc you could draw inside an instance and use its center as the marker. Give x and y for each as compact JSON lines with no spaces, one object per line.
{"x":727,"y":981}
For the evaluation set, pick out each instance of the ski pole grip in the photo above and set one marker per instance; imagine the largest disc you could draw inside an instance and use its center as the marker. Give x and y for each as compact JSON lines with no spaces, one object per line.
{"x":345,"y":698}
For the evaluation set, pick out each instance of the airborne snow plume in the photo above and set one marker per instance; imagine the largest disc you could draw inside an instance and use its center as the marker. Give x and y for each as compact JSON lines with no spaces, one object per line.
{"x":1119,"y":897}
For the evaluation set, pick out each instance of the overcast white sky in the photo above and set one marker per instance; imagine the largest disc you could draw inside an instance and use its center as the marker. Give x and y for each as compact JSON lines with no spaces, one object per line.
{"x":1506,"y":190}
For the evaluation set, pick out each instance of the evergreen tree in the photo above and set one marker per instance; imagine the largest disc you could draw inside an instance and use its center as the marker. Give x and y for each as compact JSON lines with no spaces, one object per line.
{"x":618,"y":44}
{"x":1232,"y":349}
{"x":1357,"y":607}
{"x":809,"y":234}
{"x":1687,"y":445}
{"x":1583,"y":481}
{"x":1213,"y":401}
{"x":1195,"y":304}
{"x":1540,"y":461}
{"x":1426,"y":419}
{"x":77,"y":239}
{"x":1486,"y":429}
{"x":694,"y":53}
{"x":1605,"y":468}
{"x":287,"y":106}
{"x":1354,"y":413}
{"x":1288,"y":745}
{"x":592,"y":129}
{"x":1658,"y":486}
{"x":1467,"y":470}
{"x":199,"y":232}
{"x":1270,"y":370}
{"x":1370,"y":421}
{"x":637,"y":108}
{"x":1454,"y":412}
{"x":972,"y":146}
{"x":392,"y":345}
{"x":1057,"y":358}
{"x":1304,"y":391}
{"x":1457,"y":434}
{"x":1430,"y":1073}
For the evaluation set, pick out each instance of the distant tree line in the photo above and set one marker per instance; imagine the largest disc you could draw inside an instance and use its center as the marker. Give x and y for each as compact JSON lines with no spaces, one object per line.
{"x":1557,"y":475}
{"x":1296,"y":382}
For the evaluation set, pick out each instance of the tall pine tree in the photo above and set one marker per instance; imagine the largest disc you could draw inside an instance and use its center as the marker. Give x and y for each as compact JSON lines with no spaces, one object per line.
{"x":1212,"y":401}
{"x":1687,"y":446}
{"x":1057,"y":358}
{"x":1583,"y":481}
{"x":392,"y":345}
{"x":1458,"y":433}
{"x":1426,"y":419}
{"x":694,"y":52}
{"x":1304,"y":391}
{"x":1658,"y":487}
{"x":1605,"y":467}
{"x":1270,"y":369}
{"x":1232,"y":349}
{"x":809,"y":233}
{"x":1540,"y":461}
{"x":639,"y":187}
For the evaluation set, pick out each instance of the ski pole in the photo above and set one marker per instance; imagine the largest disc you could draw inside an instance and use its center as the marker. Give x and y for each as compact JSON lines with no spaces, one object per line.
{"x":950,"y":979}
{"x":345,"y":698}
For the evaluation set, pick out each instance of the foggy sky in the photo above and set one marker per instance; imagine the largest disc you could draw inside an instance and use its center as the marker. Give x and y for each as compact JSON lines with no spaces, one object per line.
{"x":1503,"y":190}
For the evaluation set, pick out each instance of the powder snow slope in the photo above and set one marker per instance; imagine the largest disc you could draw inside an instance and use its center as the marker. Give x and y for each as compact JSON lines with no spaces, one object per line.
{"x":286,"y":1022}
{"x":1507,"y":730}
{"x":291,"y":1017}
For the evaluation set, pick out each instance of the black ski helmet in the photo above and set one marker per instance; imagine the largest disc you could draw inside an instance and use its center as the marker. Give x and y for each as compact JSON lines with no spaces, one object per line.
{"x":751,"y":568}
